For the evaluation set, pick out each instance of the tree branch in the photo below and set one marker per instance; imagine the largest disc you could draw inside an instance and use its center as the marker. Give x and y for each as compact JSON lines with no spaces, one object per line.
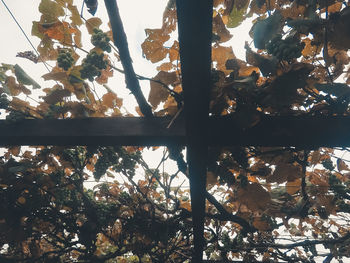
{"x":120,"y":41}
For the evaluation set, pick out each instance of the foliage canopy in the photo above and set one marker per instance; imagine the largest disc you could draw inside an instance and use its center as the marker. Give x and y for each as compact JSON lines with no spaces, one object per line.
{"x":264,"y":203}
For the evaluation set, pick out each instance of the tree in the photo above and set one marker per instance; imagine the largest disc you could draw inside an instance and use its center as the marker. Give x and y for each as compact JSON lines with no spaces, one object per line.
{"x":264,"y":203}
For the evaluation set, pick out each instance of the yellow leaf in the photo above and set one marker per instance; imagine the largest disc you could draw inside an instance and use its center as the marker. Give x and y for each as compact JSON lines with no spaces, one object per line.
{"x":261,"y":224}
{"x":46,"y":49}
{"x":50,"y":10}
{"x":341,"y":165}
{"x":221,"y":54}
{"x":310,"y":50}
{"x":315,"y":157}
{"x":62,"y":32}
{"x":55,"y":75}
{"x":105,"y":74}
{"x":254,"y":196}
{"x":92,"y":23}
{"x":90,"y":167}
{"x":76,"y":19}
{"x":77,"y":38}
{"x":15,"y":88}
{"x":111,"y":100}
{"x":167,"y":66}
{"x":154,"y":51}
{"x":15,"y":150}
{"x":285,"y":172}
{"x":186,"y":205}
{"x":220,"y":29}
{"x":56,"y":95}
{"x":293,"y":187}
{"x":21,"y":200}
{"x":158,"y":92}
{"x":174,"y":51}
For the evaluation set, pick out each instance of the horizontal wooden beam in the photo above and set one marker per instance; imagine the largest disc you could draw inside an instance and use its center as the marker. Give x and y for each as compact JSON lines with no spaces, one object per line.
{"x":303,"y":132}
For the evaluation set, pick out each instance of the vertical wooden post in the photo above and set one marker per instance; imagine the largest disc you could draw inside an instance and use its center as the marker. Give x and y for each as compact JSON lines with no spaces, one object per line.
{"x":195,"y":30}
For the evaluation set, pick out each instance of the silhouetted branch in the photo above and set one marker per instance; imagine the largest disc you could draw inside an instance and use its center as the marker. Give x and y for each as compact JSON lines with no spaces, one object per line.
{"x":120,"y":41}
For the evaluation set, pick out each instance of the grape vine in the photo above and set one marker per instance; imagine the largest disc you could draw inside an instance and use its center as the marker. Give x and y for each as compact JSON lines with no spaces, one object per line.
{"x":65,"y":59}
{"x":285,"y":49}
{"x":92,"y":65}
{"x":101,"y":40}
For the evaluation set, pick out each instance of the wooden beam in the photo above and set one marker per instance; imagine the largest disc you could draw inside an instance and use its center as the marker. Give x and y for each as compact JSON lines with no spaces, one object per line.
{"x":298,"y":131}
{"x":195,"y":31}
{"x":91,"y":131}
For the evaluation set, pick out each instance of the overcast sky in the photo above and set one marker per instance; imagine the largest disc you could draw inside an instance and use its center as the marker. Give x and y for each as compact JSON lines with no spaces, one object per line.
{"x":136,"y":15}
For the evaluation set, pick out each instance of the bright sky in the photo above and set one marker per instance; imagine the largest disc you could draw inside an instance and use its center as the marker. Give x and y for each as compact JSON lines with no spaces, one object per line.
{"x":136,"y":16}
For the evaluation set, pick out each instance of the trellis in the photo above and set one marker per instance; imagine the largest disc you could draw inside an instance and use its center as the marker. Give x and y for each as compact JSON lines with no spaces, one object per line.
{"x":195,"y":129}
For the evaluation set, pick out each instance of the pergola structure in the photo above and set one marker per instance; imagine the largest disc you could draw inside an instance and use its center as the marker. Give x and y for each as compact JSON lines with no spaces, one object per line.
{"x":195,"y":129}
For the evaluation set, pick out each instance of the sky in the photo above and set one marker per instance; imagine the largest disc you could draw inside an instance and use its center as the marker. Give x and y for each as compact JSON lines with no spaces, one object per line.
{"x":136,"y":16}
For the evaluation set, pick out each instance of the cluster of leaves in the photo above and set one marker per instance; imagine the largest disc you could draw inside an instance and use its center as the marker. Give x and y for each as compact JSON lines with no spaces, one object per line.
{"x":60,"y":30}
{"x":276,"y":189}
{"x":255,"y":194}
{"x":49,"y":216}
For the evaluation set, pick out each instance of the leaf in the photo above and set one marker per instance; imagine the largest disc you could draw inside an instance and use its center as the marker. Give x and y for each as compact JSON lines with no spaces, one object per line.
{"x":261,"y":224}
{"x":50,"y":10}
{"x":336,"y":89}
{"x":267,"y":65}
{"x":75,"y":17}
{"x":15,"y":88}
{"x":174,"y":51}
{"x":292,"y":187}
{"x":159,"y":93}
{"x":21,"y":200}
{"x":92,"y":23}
{"x":310,"y":50}
{"x":62,"y":32}
{"x":221,"y":54}
{"x":77,"y":38}
{"x":186,"y":205}
{"x":55,"y":75}
{"x":105,"y":74}
{"x":220,"y":30}
{"x":153,"y":47}
{"x":23,"y":77}
{"x":265,"y":30}
{"x":111,"y":100}
{"x":341,"y":165}
{"x":167,"y":66}
{"x":237,"y":15}
{"x":282,"y":92}
{"x":15,"y":150}
{"x":315,"y":157}
{"x":305,"y":26}
{"x":47,"y":50}
{"x":56,"y":95}
{"x":254,"y":196}
{"x":154,"y":51}
{"x":284,"y":172}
